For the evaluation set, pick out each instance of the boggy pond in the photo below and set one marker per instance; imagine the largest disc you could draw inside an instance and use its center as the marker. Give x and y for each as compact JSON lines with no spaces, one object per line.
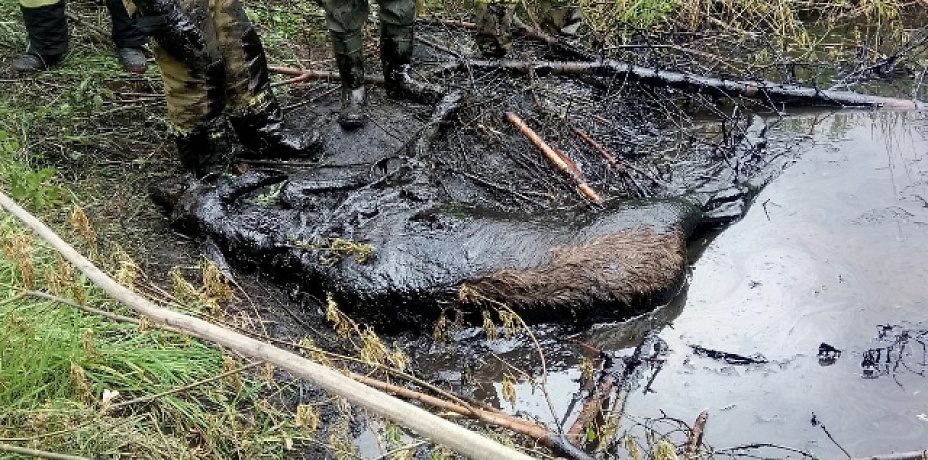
{"x":832,"y":252}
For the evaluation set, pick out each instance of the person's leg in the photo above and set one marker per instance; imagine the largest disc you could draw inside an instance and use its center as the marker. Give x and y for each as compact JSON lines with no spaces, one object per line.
{"x":253,"y":110}
{"x":193,"y":75}
{"x":494,"y":26}
{"x":47,"y":35}
{"x":128,"y":39}
{"x":397,"y":19}
{"x":345,"y":20}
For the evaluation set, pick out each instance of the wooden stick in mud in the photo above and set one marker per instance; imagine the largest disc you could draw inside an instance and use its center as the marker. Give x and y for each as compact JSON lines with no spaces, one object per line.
{"x":437,"y":429}
{"x":558,"y":159}
{"x":590,"y":410}
{"x":301,"y":75}
{"x":763,"y":90}
{"x":599,"y":148}
{"x":38,"y":453}
{"x":533,"y":430}
{"x":695,"y":438}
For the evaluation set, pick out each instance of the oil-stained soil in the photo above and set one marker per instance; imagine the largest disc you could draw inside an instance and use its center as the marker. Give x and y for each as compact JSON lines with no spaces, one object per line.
{"x":831,"y":253}
{"x":804,"y":325}
{"x":397,"y":219}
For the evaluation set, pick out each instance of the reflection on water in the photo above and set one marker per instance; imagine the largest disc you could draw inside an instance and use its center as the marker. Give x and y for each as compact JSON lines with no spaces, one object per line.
{"x":827,"y":279}
{"x":833,"y":252}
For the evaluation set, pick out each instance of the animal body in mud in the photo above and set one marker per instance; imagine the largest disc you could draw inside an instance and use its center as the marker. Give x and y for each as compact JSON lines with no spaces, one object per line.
{"x":402,"y":187}
{"x":586,"y":264}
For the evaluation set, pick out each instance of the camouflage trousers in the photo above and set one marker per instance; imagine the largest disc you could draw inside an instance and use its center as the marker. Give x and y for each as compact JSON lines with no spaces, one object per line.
{"x":211,"y":59}
{"x":349,"y":16}
{"x":494,"y":21}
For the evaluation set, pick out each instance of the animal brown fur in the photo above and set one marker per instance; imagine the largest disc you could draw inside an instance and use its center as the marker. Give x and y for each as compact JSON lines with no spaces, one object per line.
{"x":620,"y":268}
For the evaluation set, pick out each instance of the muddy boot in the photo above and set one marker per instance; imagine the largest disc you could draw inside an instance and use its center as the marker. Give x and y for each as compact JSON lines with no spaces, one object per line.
{"x":494,"y":28}
{"x":395,"y":55}
{"x":30,"y":62}
{"x":205,"y":150}
{"x":350,"y":60}
{"x":259,"y":122}
{"x":263,"y":135}
{"x":132,"y":60}
{"x":166,"y":192}
{"x":47,"y":30}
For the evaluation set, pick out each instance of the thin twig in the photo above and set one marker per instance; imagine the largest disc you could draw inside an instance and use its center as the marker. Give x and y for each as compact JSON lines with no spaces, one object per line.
{"x":38,"y":453}
{"x":556,"y":158}
{"x":301,"y":75}
{"x":913,"y":455}
{"x":91,"y":310}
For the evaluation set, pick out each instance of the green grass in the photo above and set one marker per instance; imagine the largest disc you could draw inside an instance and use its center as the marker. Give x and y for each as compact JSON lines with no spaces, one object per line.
{"x":57,"y":361}
{"x":63,"y":133}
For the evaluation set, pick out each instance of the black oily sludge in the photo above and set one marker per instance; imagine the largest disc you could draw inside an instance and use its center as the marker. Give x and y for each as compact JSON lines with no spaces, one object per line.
{"x":579,"y":264}
{"x":440,"y":205}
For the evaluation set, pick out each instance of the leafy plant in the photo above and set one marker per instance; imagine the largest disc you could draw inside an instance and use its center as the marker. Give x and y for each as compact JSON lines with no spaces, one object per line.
{"x":35,"y":187}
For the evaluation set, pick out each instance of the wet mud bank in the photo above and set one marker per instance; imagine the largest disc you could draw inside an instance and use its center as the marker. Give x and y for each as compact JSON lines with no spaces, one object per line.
{"x":428,"y":209}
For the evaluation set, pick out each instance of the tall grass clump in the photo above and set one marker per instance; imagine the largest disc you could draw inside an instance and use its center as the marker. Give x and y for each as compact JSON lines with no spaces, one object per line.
{"x":61,"y":367}
{"x":785,"y":22}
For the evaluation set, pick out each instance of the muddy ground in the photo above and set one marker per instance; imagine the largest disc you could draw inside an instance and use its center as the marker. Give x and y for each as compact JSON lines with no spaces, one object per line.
{"x":483,"y":162}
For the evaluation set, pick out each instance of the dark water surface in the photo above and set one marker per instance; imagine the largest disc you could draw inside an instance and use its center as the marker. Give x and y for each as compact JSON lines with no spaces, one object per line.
{"x":831,"y":250}
{"x":834,"y":251}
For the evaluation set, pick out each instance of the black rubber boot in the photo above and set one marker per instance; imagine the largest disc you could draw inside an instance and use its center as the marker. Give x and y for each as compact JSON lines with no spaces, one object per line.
{"x":129,"y":39}
{"x":263,"y":135}
{"x":395,"y":54}
{"x":205,"y":150}
{"x":260,"y":125}
{"x":350,"y":60}
{"x":132,"y":60}
{"x":47,"y":30}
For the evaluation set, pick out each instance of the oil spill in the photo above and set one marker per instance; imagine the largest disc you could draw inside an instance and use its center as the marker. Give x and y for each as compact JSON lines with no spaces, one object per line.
{"x":473,"y":205}
{"x":824,"y":278}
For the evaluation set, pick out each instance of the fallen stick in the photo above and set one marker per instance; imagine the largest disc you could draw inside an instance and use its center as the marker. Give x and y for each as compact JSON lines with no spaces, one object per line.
{"x":914,"y":455}
{"x":695,"y":438}
{"x":612,"y":160}
{"x":301,"y":75}
{"x":763,"y":90}
{"x":38,"y":453}
{"x":600,"y":149}
{"x":557,"y":159}
{"x":593,"y":407}
{"x":533,"y":430}
{"x":437,"y":429}
{"x":454,"y":23}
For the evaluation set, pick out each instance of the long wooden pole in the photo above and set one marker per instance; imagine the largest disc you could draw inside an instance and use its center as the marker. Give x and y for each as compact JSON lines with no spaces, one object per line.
{"x":437,"y":429}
